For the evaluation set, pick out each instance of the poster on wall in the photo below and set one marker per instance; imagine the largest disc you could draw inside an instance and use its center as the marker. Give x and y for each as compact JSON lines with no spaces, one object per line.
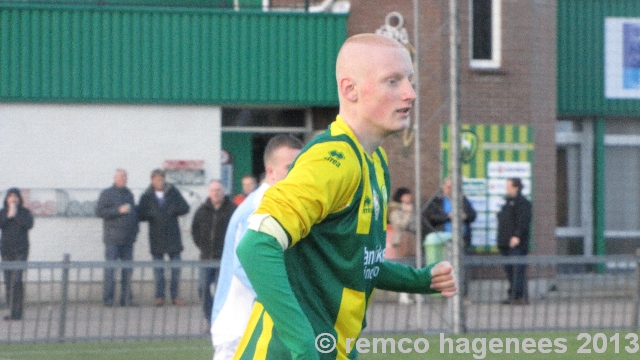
{"x":622,"y":58}
{"x":490,"y":154}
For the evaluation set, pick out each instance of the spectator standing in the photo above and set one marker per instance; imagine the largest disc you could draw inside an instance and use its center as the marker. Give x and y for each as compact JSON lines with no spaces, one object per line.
{"x":207,"y":229}
{"x":249,"y":184}
{"x":514,"y":225}
{"x":116,"y":207}
{"x":15,"y":223}
{"x":437,"y":220}
{"x":403,"y":230}
{"x":234,"y":295}
{"x":438,"y":212}
{"x":161,"y":205}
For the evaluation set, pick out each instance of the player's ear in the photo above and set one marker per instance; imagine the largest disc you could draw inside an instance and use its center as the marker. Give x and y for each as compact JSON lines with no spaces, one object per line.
{"x":347,"y":88}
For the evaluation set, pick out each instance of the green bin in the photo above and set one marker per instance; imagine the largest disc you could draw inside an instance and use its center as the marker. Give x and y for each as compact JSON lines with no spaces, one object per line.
{"x":435,"y":246}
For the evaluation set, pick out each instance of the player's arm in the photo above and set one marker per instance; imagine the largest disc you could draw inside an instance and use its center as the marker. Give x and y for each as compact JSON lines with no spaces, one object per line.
{"x":404,"y":278}
{"x":107,"y":208}
{"x":263,"y":260}
{"x":313,"y":189}
{"x":238,"y":270}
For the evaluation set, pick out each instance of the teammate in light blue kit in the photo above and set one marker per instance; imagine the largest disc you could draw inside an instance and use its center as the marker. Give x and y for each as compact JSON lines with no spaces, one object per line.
{"x":234,"y":295}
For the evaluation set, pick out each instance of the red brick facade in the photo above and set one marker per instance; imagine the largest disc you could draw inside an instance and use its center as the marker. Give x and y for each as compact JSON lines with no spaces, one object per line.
{"x":522,"y":91}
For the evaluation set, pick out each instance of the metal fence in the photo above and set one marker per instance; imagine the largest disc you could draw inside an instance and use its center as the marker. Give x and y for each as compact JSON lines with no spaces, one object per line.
{"x":565,"y":293}
{"x":64,"y":301}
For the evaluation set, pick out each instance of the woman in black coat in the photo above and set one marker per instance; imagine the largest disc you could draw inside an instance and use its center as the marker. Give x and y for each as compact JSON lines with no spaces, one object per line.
{"x":15,"y":222}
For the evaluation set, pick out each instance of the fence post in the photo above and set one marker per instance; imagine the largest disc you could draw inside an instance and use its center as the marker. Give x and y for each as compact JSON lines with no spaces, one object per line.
{"x":64,"y":297}
{"x":637,"y":295}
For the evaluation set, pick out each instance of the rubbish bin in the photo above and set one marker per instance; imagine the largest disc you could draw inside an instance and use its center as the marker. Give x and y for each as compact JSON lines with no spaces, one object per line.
{"x":435,"y":245}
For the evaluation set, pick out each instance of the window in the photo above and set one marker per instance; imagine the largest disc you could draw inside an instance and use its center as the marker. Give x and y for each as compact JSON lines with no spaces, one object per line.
{"x":485,"y":34}
{"x":263,"y":118}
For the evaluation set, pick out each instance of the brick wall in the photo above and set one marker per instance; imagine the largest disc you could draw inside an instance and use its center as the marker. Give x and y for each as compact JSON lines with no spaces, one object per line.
{"x":522,"y":91}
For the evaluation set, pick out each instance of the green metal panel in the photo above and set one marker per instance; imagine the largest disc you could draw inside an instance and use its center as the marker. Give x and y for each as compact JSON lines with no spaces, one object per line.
{"x":581,"y":57}
{"x":168,"y":55}
{"x":239,"y":145}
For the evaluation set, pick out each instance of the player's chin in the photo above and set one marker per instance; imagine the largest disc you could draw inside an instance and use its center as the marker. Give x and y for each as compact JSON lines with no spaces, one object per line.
{"x":401,"y":123}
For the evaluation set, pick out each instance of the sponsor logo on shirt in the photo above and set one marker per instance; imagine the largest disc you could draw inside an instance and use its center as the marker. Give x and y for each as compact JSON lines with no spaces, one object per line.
{"x":372,"y":259}
{"x":368,"y":209}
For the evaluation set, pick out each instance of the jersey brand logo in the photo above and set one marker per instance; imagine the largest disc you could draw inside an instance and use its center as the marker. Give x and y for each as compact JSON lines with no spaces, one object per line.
{"x":334,"y":157}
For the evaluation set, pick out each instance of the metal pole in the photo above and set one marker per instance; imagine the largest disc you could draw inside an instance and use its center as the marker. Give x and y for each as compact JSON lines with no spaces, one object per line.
{"x":455,"y":165}
{"x":65,"y":295}
{"x":416,"y":148}
{"x":636,"y":312}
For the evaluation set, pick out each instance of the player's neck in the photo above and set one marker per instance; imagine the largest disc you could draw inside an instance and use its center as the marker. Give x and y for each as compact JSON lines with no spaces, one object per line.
{"x":365,"y":135}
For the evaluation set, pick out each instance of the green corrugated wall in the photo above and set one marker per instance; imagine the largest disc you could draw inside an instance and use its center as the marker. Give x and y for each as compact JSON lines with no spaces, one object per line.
{"x":168,"y":55}
{"x":581,"y":57}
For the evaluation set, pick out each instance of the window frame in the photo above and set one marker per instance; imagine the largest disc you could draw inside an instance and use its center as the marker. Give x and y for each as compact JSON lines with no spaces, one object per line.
{"x":496,"y":38}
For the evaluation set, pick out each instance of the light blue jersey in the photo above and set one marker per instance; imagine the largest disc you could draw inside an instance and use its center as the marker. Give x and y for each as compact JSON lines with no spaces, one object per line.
{"x":234,"y":295}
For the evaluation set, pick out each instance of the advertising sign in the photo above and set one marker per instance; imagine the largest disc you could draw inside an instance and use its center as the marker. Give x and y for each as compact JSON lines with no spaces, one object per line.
{"x":490,"y":154}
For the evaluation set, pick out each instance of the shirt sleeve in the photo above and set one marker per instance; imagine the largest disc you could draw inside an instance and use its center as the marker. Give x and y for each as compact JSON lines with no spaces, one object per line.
{"x":238,"y":270}
{"x":404,"y":278}
{"x":322,"y":181}
{"x":263,"y":260}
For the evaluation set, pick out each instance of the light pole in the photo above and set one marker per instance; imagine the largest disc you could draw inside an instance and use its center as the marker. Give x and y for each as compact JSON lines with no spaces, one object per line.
{"x":456,"y":228}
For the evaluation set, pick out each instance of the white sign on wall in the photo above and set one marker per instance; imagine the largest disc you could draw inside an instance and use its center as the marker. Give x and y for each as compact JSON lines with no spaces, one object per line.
{"x":622,"y":58}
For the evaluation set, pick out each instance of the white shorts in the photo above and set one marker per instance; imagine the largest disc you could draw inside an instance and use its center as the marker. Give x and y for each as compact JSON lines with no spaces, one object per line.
{"x":225,"y":351}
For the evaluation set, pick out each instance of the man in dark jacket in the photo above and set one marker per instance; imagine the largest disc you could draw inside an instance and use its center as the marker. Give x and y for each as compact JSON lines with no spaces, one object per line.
{"x":436,"y":220}
{"x":514,"y":225}
{"x":116,"y":207}
{"x":208,"y":230}
{"x":437,"y":215}
{"x":15,"y":222}
{"x":160,"y":205}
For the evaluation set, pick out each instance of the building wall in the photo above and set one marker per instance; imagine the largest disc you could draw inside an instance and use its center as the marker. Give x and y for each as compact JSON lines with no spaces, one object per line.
{"x":522,"y":91}
{"x":62,"y":156}
{"x":167,"y":55}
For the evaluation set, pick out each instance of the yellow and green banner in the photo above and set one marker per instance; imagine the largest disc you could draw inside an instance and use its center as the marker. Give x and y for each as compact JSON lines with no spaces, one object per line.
{"x":490,"y":154}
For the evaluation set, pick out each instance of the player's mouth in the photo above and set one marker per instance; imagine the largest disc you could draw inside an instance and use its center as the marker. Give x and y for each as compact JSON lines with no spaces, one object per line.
{"x":404,"y":111}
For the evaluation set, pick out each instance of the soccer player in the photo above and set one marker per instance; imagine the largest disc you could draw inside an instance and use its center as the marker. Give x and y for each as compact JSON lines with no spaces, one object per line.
{"x":234,"y":294}
{"x":314,"y":250}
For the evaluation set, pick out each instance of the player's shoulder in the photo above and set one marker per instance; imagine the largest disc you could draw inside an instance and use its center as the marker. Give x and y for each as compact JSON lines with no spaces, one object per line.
{"x":331,"y":153}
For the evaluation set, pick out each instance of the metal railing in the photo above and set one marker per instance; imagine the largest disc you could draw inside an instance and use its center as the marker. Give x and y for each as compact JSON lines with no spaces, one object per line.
{"x":565,"y":293}
{"x":63,"y":301}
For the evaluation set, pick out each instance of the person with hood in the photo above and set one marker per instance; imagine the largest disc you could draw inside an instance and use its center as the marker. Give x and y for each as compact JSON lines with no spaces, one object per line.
{"x":208,"y":229}
{"x":15,"y":223}
{"x":161,"y":205}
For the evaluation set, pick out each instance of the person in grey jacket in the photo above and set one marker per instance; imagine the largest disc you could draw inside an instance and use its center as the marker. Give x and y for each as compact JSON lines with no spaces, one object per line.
{"x":15,"y":223}
{"x":116,"y":207}
{"x":161,"y":205}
